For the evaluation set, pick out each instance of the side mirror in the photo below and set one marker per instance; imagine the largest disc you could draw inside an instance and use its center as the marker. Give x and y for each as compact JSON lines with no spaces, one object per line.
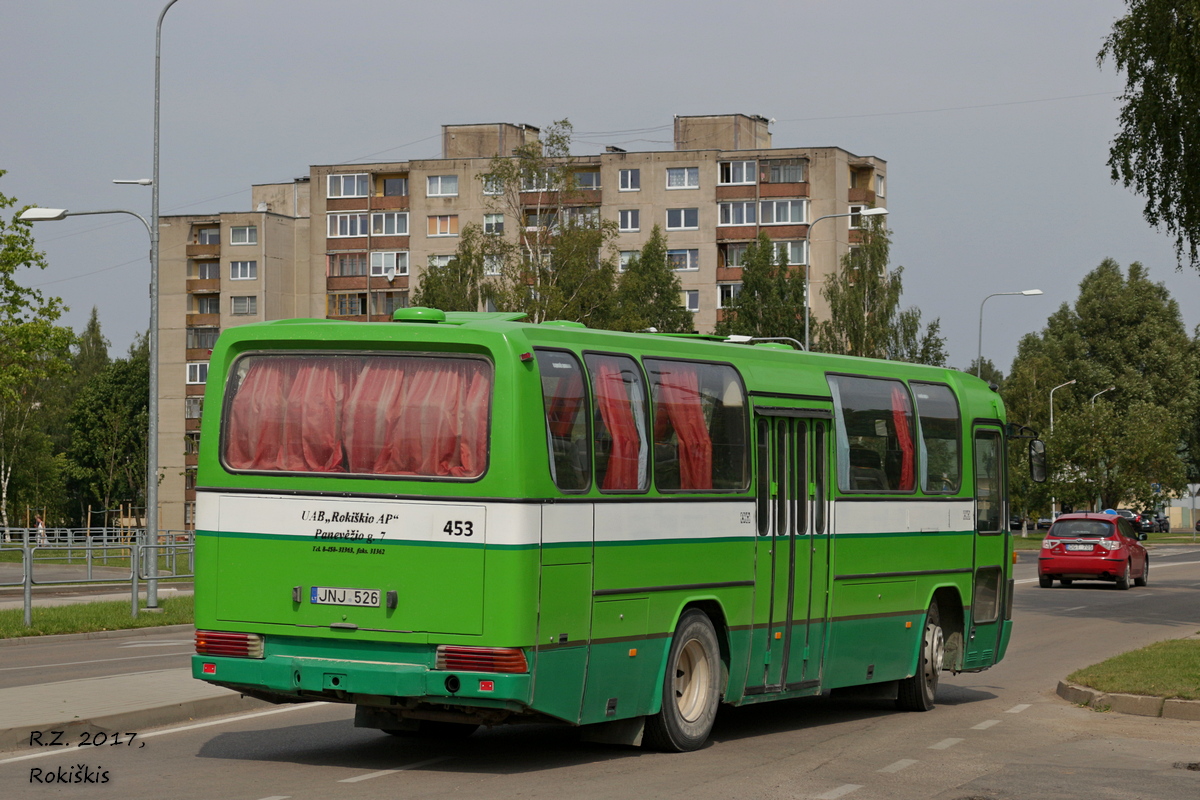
{"x":1142,"y":537}
{"x":1037,"y":461}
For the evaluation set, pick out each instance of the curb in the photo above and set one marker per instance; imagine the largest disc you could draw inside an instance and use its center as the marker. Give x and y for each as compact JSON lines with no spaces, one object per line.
{"x":1139,"y":705}
{"x":112,"y":634}
{"x":135,"y":720}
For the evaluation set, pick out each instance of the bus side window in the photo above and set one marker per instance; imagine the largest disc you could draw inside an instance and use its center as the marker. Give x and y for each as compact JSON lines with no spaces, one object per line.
{"x":875,"y":426}
{"x":566,"y":407}
{"x":941,"y":438}
{"x":619,"y":423}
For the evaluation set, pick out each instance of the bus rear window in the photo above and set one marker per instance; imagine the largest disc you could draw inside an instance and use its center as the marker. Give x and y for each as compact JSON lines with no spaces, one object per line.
{"x":407,"y":416}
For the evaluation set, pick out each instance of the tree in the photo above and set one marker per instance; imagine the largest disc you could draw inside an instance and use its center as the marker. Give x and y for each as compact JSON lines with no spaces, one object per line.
{"x":648,"y":292}
{"x":864,"y":308}
{"x":989,"y":373}
{"x":33,"y":350}
{"x":109,"y":427}
{"x":560,"y":262}
{"x":1157,"y":150}
{"x":457,"y":286}
{"x":771,"y":302}
{"x":1124,"y":331}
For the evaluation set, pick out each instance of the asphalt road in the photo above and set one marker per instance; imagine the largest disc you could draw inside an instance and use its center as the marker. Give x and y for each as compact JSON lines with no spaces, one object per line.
{"x":999,"y":734}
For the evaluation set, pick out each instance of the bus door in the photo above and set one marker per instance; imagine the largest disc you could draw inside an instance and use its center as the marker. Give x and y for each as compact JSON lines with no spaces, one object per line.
{"x":791,"y":589}
{"x":812,"y":563}
{"x":992,"y":551}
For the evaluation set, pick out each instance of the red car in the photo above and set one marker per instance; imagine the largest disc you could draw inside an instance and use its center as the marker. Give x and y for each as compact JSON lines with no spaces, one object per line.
{"x":1093,"y":547}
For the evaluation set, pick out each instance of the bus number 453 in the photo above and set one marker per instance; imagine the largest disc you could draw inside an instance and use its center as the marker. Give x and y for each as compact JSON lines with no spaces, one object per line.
{"x":459,"y":528}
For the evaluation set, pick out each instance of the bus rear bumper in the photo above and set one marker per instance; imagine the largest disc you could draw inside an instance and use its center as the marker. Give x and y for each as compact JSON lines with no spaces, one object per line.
{"x":338,"y":680}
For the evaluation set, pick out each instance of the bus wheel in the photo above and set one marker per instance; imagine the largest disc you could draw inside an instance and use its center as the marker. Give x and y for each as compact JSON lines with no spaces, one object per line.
{"x":691,"y":689}
{"x":917,"y":693}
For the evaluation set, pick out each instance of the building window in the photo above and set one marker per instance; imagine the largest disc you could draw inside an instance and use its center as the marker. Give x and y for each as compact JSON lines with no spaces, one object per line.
{"x":441,"y":186}
{"x":683,"y":219}
{"x":191,"y":445}
{"x":492,"y":185}
{"x":388,"y":302}
{"x":393,"y":223}
{"x":588,"y":179}
{"x":493,"y":264}
{"x":856,"y":220}
{"x":243,"y":234}
{"x":546,"y":219}
{"x":347,"y":265}
{"x":202,"y":338}
{"x":630,"y":180}
{"x":879,"y":185}
{"x":683,"y":260}
{"x":739,"y":213}
{"x":205,"y":270}
{"x":691,"y":299}
{"x":683,"y":177}
{"x":342,"y":225}
{"x":197,"y":372}
{"x":208,"y":303}
{"x":625,"y":257}
{"x":784,"y":170}
{"x":726,"y":292}
{"x":348,"y":185}
{"x":582,"y":216}
{"x":193,"y":407}
{"x":347,"y":305}
{"x":783,"y":212}
{"x":243,"y":270}
{"x":208,"y":236}
{"x":792,"y":252}
{"x":493,"y":223}
{"x":439,"y":261}
{"x":629,"y":219}
{"x":443,"y":225}
{"x":244,"y":306}
{"x":189,"y":478}
{"x":735,"y":254}
{"x":389,"y":263}
{"x":535,"y":182}
{"x":189,"y":512}
{"x":732,"y":173}
{"x":395,"y":187}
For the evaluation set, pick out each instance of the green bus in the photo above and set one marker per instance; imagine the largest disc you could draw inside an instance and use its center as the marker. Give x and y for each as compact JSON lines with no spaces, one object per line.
{"x":463,"y":519}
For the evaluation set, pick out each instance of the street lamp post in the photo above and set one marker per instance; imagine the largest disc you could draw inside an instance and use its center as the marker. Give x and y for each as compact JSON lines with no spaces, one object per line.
{"x":1102,"y":391}
{"x":979,"y":357}
{"x":1053,"y":500}
{"x":866,"y":212}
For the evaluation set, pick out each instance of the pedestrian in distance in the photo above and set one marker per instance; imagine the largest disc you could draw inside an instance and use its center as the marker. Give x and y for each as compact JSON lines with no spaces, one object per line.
{"x":41,"y":531}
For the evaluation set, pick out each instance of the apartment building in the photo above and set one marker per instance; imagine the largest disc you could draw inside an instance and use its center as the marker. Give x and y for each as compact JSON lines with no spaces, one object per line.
{"x":351,"y":241}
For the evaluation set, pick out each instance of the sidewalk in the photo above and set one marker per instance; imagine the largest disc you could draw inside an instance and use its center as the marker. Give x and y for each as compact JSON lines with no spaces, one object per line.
{"x":125,"y":703}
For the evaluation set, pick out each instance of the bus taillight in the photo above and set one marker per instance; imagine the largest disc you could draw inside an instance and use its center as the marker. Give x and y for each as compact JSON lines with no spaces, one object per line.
{"x":220,"y":643}
{"x":481,"y":659}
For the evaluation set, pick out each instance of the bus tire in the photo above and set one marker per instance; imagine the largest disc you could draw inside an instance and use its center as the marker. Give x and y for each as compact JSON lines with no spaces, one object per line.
{"x":917,"y":693}
{"x":691,"y":687}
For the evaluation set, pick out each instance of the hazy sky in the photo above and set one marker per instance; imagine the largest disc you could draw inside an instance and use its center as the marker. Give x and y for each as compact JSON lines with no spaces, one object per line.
{"x":993,"y":117}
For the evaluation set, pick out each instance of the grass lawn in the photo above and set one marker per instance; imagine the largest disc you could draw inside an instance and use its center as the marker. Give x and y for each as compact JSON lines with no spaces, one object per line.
{"x":89,"y":617}
{"x":1164,"y":669}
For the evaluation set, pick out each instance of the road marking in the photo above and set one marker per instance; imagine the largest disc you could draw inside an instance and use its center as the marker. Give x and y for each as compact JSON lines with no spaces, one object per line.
{"x":987,"y":723}
{"x":1017,"y":709}
{"x":1157,"y":566}
{"x":278,"y":797}
{"x":383,"y":772}
{"x":903,"y":763}
{"x":1074,"y":608}
{"x":98,"y":661}
{"x":841,"y":791}
{"x":157,"y":644}
{"x":68,"y":750}
{"x":944,"y":743}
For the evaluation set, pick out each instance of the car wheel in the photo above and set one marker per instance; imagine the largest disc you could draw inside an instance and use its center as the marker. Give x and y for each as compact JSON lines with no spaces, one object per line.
{"x":691,"y":687}
{"x":1045,"y":581}
{"x":1065,"y":581}
{"x":1123,"y":579}
{"x":917,"y":693}
{"x":1145,"y":579}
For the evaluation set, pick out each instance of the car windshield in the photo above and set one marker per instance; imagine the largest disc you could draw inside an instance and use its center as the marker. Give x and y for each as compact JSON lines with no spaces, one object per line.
{"x":1082,"y":528}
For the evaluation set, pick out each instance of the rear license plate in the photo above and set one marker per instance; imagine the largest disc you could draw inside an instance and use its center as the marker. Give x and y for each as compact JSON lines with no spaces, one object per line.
{"x":331,"y":596}
{"x":1086,"y":547}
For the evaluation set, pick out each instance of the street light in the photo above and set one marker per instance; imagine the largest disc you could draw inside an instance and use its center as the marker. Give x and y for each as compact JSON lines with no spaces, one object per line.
{"x":979,"y":358}
{"x":1102,"y":391}
{"x":1052,"y":391}
{"x":866,"y":212}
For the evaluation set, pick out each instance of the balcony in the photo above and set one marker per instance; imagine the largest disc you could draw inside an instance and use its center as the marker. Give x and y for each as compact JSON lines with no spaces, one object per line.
{"x":203,"y":320}
{"x":204,"y":285}
{"x":861,"y":196}
{"x":202,"y":250}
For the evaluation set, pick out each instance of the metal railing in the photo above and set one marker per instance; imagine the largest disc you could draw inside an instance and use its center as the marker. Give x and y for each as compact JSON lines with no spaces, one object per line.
{"x":78,"y":555}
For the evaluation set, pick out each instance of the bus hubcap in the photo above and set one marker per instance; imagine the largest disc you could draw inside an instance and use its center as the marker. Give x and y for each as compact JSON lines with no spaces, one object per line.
{"x":691,"y":680}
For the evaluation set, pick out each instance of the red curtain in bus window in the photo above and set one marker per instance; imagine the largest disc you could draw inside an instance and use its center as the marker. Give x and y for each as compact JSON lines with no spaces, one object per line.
{"x":370,"y":412}
{"x":258,"y":415}
{"x":612,"y":397}
{"x":313,"y":441}
{"x":901,"y":412}
{"x":679,"y":397}
{"x":560,"y":415}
